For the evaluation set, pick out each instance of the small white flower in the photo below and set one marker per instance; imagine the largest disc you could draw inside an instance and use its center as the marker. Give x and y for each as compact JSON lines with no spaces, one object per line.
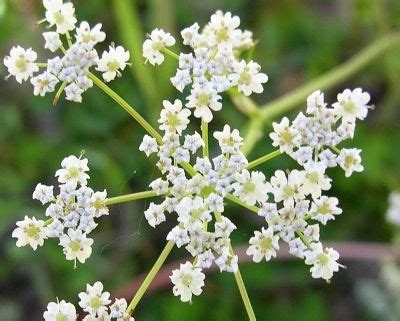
{"x":325,"y":208}
{"x":229,"y":142}
{"x":251,"y":187}
{"x":154,"y":214}
{"x":21,"y":63}
{"x":204,"y":99}
{"x":248,"y":78}
{"x":53,"y":41}
{"x":73,"y":93}
{"x":43,"y":193}
{"x":174,"y":118}
{"x":118,"y":308}
{"x":60,"y":14}
{"x":188,"y":281}
{"x":181,"y":79}
{"x":44,"y":83}
{"x":159,"y":186}
{"x":73,"y":171}
{"x":89,"y":37}
{"x":284,"y":136}
{"x":350,"y":161}
{"x":352,"y":105}
{"x":263,"y":245}
{"x":62,"y":310}
{"x":193,"y":142}
{"x":205,"y":260}
{"x":98,"y":205}
{"x":227,"y":262}
{"x":179,"y":236}
{"x":315,"y":180}
{"x":112,"y":61}
{"x":222,"y":29}
{"x":323,"y":261}
{"x":30,"y":232}
{"x":148,"y":145}
{"x":94,"y":301}
{"x":190,"y":35}
{"x":315,"y":102}
{"x":76,"y":245}
{"x":224,"y":228}
{"x":288,"y":189}
{"x":152,"y":47}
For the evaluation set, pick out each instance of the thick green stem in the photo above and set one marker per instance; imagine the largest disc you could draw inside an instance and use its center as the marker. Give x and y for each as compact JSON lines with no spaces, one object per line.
{"x":263,"y":159}
{"x":170,"y":53}
{"x":128,"y":108}
{"x":130,"y":197}
{"x":204,"y":134}
{"x":253,"y":135}
{"x":236,"y":200}
{"x":149,"y":278}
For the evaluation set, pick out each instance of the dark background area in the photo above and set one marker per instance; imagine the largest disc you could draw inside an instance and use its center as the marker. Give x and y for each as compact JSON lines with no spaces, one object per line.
{"x":298,"y":40}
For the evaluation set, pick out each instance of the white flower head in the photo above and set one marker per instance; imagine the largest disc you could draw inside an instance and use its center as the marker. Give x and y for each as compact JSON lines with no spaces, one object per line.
{"x":76,"y":245}
{"x":324,"y":261}
{"x":94,"y":301}
{"x":30,"y":232}
{"x":350,"y":161}
{"x":248,"y":78}
{"x":44,"y":83}
{"x":73,"y":171}
{"x":21,"y":63}
{"x":89,"y":37}
{"x":53,"y":41}
{"x":352,"y":105}
{"x":229,"y":142}
{"x":263,"y":245}
{"x":251,"y":187}
{"x":188,"y":281}
{"x":148,"y":145}
{"x":315,"y":180}
{"x":174,"y":118}
{"x":288,"y":189}
{"x":325,"y":208}
{"x":152,"y":47}
{"x":204,"y":99}
{"x":43,"y":193}
{"x":284,"y":136}
{"x":60,"y":14}
{"x":62,"y":310}
{"x":112,"y":61}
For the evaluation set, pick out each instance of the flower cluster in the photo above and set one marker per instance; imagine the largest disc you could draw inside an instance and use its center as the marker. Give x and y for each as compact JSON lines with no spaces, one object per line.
{"x":71,"y":214}
{"x":213,"y":67}
{"x":314,"y":136}
{"x":72,"y":69}
{"x":94,"y":302}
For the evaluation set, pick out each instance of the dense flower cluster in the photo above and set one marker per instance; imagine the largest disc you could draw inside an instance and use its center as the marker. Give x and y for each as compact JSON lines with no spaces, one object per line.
{"x":73,"y":67}
{"x":71,"y":214}
{"x":213,"y":67}
{"x":94,"y":302}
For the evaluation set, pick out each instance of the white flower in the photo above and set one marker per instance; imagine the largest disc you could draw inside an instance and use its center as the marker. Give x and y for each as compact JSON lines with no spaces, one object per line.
{"x":148,"y":145}
{"x":94,"y":300}
{"x":251,"y":187}
{"x":288,"y":189}
{"x":222,"y":29}
{"x":393,"y":212}
{"x":98,"y":205}
{"x":73,"y":93}
{"x":315,"y":179}
{"x":323,"y":261}
{"x":53,"y":41}
{"x":190,"y":35}
{"x":21,"y":63}
{"x":154,"y":214}
{"x":248,"y":78}
{"x":324,"y":208}
{"x":193,"y":142}
{"x":174,"y":118}
{"x":60,"y":14}
{"x":159,"y":186}
{"x":263,"y":245}
{"x":112,"y":62}
{"x":43,"y":193}
{"x":76,"y":245}
{"x":73,"y":171}
{"x":352,"y":105}
{"x":179,"y":236}
{"x":204,"y":99}
{"x":350,"y":161}
{"x":284,"y":136}
{"x":227,"y":262}
{"x":192,"y":210}
{"x":188,"y":281}
{"x":315,"y":102}
{"x":205,"y":260}
{"x":62,"y":310}
{"x":44,"y":83}
{"x":30,"y":232}
{"x":89,"y":37}
{"x":118,"y":308}
{"x":229,"y":142}
{"x":159,"y":39}
{"x":224,"y":228}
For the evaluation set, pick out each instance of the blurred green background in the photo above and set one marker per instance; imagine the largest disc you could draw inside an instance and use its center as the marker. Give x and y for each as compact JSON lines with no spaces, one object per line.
{"x":298,"y":40}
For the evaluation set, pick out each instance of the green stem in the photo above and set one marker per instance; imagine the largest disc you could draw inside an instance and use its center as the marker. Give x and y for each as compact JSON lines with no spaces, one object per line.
{"x":263,"y":159}
{"x":68,"y":39}
{"x":236,"y":200}
{"x":253,"y":135}
{"x":335,"y":149}
{"x":41,"y":64}
{"x":330,"y":79}
{"x":150,"y":276}
{"x":128,"y":108}
{"x":170,"y":53}
{"x":130,"y":197}
{"x":59,"y":92}
{"x":204,"y":134}
{"x":303,"y":238}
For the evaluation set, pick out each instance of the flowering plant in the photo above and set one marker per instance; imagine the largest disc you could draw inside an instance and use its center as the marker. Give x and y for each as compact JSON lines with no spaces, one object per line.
{"x":194,"y":182}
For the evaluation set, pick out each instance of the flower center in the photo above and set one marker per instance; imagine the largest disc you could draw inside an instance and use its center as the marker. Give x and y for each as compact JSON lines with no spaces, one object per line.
{"x":173,"y":120}
{"x":313,"y":177}
{"x":348,"y":161}
{"x":323,"y":258}
{"x":73,"y":172}
{"x":32,"y":231}
{"x":324,"y":209}
{"x":61,"y":317}
{"x":203,"y":99}
{"x":288,"y":191}
{"x":75,"y":246}
{"x":245,"y":77}
{"x":249,"y":187}
{"x":95,"y":303}
{"x":58,"y":17}
{"x":265,"y":243}
{"x":21,"y":63}
{"x":187,"y":279}
{"x":222,"y":34}
{"x":286,"y":137}
{"x":349,"y":107}
{"x":157,"y":45}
